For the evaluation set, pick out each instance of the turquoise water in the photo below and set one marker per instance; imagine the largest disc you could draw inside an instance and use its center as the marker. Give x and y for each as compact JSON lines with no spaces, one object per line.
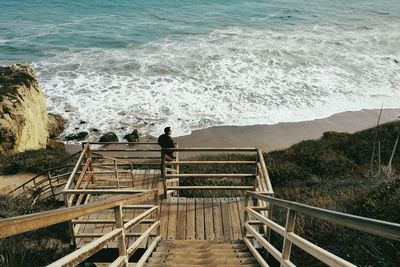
{"x":195,"y":64}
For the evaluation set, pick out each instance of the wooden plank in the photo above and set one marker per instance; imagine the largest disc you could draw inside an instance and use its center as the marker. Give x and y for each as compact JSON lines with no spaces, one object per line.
{"x":108,"y":215}
{"x":164,"y":218}
{"x":234,"y":214}
{"x":190,"y":219}
{"x":199,"y":219}
{"x":147,"y":179}
{"x":132,"y":213}
{"x":226,"y":220}
{"x":154,"y":179}
{"x":241,"y":207}
{"x":142,"y":176}
{"x":172,"y":217}
{"x":208,"y":219}
{"x":217,"y":216}
{"x":181,"y":223}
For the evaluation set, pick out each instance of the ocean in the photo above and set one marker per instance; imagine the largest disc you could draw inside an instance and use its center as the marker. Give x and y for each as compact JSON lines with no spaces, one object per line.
{"x":124,"y":64}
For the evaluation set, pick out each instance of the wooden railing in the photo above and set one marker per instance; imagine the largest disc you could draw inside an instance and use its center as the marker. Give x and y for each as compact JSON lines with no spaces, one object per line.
{"x":21,"y":224}
{"x":94,"y":164}
{"x":46,"y":184}
{"x":377,"y":227}
{"x":260,"y":175}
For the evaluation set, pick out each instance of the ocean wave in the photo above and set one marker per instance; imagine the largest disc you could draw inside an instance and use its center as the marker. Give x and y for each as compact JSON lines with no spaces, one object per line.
{"x":231,"y":76}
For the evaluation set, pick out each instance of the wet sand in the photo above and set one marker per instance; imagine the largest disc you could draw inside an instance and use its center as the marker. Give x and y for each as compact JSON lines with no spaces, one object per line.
{"x":282,"y":135}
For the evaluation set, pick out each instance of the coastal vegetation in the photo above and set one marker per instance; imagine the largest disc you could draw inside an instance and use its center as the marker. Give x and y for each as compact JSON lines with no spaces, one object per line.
{"x":333,"y":172}
{"x":35,"y":161}
{"x":36,"y":248}
{"x":336,"y":172}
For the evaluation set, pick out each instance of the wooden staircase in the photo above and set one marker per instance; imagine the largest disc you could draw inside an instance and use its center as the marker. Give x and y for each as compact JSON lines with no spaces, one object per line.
{"x":201,"y":253}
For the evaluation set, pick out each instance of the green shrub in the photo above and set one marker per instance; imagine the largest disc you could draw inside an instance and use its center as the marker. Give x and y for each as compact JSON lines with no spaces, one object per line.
{"x":35,"y":248}
{"x":35,"y":161}
{"x":381,"y":203}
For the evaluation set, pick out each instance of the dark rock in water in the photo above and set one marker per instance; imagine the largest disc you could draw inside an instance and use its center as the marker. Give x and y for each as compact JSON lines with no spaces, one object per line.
{"x":78,"y":136}
{"x":94,"y":130}
{"x":132,"y":137}
{"x":109,"y":137}
{"x":396,"y":61}
{"x":82,"y":122}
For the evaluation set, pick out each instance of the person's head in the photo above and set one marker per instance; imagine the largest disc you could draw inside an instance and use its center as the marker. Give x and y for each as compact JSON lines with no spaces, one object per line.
{"x":167,"y":130}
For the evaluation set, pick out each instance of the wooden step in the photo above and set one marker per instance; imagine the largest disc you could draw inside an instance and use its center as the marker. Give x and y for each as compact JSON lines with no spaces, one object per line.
{"x":191,"y":261}
{"x":233,"y":254}
{"x":201,"y":253}
{"x":203,"y":265}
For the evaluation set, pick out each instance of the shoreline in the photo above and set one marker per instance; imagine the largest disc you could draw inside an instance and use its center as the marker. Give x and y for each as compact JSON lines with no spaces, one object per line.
{"x":285,"y":134}
{"x":280,"y":135}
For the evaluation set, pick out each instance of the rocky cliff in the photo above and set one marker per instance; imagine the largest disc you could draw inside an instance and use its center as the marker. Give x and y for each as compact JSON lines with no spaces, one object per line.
{"x":24,"y":121}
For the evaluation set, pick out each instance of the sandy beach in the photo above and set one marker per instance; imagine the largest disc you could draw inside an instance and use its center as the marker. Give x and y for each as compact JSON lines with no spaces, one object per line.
{"x":282,"y":135}
{"x":278,"y":136}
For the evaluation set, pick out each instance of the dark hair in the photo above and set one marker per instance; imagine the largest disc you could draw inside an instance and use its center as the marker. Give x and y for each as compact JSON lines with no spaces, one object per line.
{"x":167,"y":130}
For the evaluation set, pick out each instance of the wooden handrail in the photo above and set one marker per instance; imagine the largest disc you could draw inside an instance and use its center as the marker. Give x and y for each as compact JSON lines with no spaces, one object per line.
{"x":264,"y":171}
{"x":211,"y":162}
{"x":211,"y":187}
{"x":212,"y":149}
{"x":381,"y":228}
{"x":121,"y":143}
{"x":212,"y":175}
{"x":368,"y":225}
{"x":106,"y":191}
{"x":77,"y":165}
{"x":42,"y":174}
{"x":25,"y":223}
{"x":126,"y":150}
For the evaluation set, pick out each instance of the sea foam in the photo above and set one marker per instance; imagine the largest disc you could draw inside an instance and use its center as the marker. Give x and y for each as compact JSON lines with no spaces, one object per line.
{"x":231,"y":76}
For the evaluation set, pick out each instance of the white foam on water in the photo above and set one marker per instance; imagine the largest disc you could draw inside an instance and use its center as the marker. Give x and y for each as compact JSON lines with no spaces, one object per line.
{"x":232,"y":76}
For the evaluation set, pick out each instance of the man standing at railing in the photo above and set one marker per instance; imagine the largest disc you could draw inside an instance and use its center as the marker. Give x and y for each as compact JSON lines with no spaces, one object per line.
{"x":165,"y":141}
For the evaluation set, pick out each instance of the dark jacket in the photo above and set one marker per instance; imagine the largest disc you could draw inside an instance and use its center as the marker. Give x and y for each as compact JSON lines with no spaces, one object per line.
{"x":165,"y":141}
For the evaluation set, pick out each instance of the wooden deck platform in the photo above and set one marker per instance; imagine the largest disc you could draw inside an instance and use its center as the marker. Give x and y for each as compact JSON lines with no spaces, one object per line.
{"x":180,"y":219}
{"x":136,"y":179}
{"x":202,"y":218}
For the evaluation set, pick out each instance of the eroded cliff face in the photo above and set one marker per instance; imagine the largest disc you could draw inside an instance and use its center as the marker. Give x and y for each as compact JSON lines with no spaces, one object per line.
{"x":24,"y":121}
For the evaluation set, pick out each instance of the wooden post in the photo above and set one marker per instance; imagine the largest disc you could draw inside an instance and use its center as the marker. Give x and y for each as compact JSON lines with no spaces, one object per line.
{"x":163,"y":173}
{"x":51,"y":185}
{"x":158,"y":215}
{"x":116,"y":172}
{"x":268,"y":229}
{"x":133,"y":177}
{"x":287,"y":244}
{"x":246,"y":215}
{"x":119,"y":223}
{"x":71,"y":227}
{"x":88,"y":153}
{"x":177,"y":170}
{"x":177,"y":159}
